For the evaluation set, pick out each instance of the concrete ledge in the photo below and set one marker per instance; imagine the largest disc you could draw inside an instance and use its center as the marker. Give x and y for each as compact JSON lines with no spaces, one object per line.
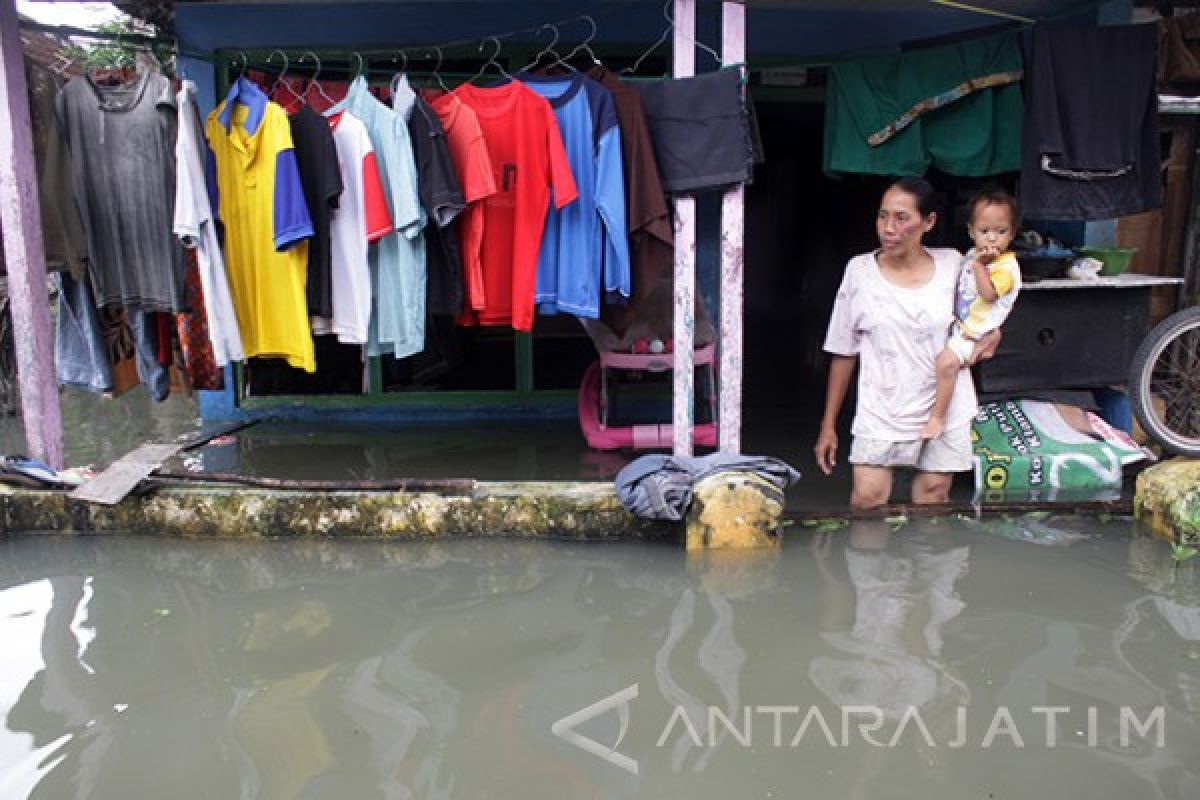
{"x":532,"y":510}
{"x":727,"y":518}
{"x":1167,"y":500}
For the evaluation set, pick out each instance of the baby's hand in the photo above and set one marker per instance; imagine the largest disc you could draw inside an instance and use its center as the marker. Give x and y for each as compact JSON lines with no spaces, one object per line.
{"x":987,"y":254}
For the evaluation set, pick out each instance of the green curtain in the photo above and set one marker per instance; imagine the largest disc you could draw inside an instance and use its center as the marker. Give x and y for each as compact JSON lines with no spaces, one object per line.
{"x":961,"y":102}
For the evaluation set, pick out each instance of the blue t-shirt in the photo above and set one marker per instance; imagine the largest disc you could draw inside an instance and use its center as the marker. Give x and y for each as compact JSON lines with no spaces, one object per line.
{"x":397,"y":261}
{"x":585,"y":247}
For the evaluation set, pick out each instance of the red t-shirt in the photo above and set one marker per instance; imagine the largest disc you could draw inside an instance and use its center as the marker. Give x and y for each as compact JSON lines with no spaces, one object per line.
{"x":528,"y":161}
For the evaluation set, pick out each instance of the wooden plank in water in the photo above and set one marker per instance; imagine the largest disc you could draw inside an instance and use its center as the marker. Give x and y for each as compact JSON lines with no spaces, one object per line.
{"x":111,"y":485}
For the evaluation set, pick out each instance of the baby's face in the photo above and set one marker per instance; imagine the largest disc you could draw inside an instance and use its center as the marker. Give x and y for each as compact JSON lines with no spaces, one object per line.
{"x":992,"y":228}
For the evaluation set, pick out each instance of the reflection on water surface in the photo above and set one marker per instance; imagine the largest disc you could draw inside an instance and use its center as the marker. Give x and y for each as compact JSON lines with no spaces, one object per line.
{"x":862,"y":663}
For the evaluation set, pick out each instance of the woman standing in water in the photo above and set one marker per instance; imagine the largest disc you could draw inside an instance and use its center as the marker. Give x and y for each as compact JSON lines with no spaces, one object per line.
{"x":891,"y":319}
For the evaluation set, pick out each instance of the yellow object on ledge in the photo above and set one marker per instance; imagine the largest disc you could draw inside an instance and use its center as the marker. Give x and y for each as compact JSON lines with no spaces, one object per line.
{"x":734,"y":510}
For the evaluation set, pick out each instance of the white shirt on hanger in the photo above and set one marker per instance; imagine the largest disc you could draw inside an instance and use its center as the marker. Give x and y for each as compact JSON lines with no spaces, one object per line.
{"x":196,"y":228}
{"x":362,"y":217}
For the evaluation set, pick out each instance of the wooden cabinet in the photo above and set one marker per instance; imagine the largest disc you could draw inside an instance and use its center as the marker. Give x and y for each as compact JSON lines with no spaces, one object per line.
{"x":1072,"y":334}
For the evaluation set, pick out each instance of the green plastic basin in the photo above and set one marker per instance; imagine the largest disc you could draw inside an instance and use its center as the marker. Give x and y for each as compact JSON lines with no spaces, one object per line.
{"x":1115,"y":259}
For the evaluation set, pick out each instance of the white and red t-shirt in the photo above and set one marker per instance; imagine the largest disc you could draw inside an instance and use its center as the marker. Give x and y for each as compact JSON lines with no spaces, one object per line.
{"x":362,"y":217}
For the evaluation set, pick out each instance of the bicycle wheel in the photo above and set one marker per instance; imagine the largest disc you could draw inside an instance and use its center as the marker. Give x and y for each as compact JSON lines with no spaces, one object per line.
{"x":1164,"y":383}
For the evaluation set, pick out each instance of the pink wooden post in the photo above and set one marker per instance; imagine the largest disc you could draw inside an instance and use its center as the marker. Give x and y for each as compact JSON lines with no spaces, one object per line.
{"x":684,"y":53}
{"x":23,"y":252}
{"x":733,"y":51}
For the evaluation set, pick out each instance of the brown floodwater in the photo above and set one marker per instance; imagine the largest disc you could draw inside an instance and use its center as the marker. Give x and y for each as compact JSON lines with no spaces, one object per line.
{"x":1004,"y":658}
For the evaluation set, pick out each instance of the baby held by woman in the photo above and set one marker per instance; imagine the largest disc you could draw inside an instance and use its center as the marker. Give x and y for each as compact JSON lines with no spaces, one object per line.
{"x":987,"y":288}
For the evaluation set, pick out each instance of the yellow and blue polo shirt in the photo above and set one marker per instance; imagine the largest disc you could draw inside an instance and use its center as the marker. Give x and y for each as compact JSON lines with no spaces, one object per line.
{"x":256,"y":183}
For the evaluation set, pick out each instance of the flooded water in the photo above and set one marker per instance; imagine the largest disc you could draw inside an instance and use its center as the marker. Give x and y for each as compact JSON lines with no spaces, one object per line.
{"x":930,"y":659}
{"x":99,"y":430}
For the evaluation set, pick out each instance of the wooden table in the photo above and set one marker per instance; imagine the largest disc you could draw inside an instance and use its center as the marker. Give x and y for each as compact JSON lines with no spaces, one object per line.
{"x":1070,"y":333}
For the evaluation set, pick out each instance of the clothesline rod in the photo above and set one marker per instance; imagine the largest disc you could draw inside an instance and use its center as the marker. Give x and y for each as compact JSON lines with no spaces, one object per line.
{"x":992,"y":12}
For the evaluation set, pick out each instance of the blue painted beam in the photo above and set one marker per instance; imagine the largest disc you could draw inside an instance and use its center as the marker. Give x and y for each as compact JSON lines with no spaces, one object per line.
{"x":802,"y":33}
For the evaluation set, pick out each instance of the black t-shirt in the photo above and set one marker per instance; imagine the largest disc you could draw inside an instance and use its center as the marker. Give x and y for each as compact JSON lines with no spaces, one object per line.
{"x":316,"y":158}
{"x":442,"y":198}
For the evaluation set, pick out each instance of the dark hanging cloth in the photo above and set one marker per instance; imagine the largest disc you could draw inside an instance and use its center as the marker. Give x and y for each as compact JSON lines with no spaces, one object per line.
{"x":80,"y":351}
{"x":442,"y":198}
{"x":701,"y":129}
{"x":651,"y":235}
{"x":442,"y":354}
{"x":1179,"y":52}
{"x":147,"y":328}
{"x":122,"y":147}
{"x":62,"y":231}
{"x":321,"y":181}
{"x":192,"y":328}
{"x":1091,"y":147}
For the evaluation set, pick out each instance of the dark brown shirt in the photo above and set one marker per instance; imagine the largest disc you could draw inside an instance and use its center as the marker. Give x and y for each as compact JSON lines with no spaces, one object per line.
{"x":651,"y":235}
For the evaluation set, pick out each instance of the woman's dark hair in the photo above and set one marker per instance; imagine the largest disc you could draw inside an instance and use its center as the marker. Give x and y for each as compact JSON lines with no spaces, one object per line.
{"x":920,"y":189}
{"x":993,"y":196}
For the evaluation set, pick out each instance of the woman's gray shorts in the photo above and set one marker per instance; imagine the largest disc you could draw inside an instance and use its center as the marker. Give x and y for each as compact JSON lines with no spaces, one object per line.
{"x":950,"y":452}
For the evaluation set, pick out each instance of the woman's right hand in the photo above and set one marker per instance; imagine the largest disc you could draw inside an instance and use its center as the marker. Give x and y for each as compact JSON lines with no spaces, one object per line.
{"x":826,"y":449}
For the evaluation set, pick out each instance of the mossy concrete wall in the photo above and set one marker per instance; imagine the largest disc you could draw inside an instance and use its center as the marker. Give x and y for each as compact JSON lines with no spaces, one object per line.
{"x":1167,"y":499}
{"x":558,"y":510}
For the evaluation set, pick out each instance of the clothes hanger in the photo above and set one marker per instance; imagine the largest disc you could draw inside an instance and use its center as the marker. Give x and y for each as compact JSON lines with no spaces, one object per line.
{"x":437,"y":70}
{"x":362,"y":65}
{"x":491,"y":60}
{"x":548,"y":50}
{"x":401,"y":75}
{"x":562,"y":61}
{"x":666,"y":33}
{"x":314,"y":82}
{"x":632,"y":68}
{"x":585,"y":45}
{"x":279,"y":80}
{"x":242,"y":71}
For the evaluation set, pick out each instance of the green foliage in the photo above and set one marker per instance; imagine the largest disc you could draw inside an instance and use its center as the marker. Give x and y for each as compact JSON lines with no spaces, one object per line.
{"x":825,"y":525}
{"x":1182,"y":552}
{"x":113,"y":54}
